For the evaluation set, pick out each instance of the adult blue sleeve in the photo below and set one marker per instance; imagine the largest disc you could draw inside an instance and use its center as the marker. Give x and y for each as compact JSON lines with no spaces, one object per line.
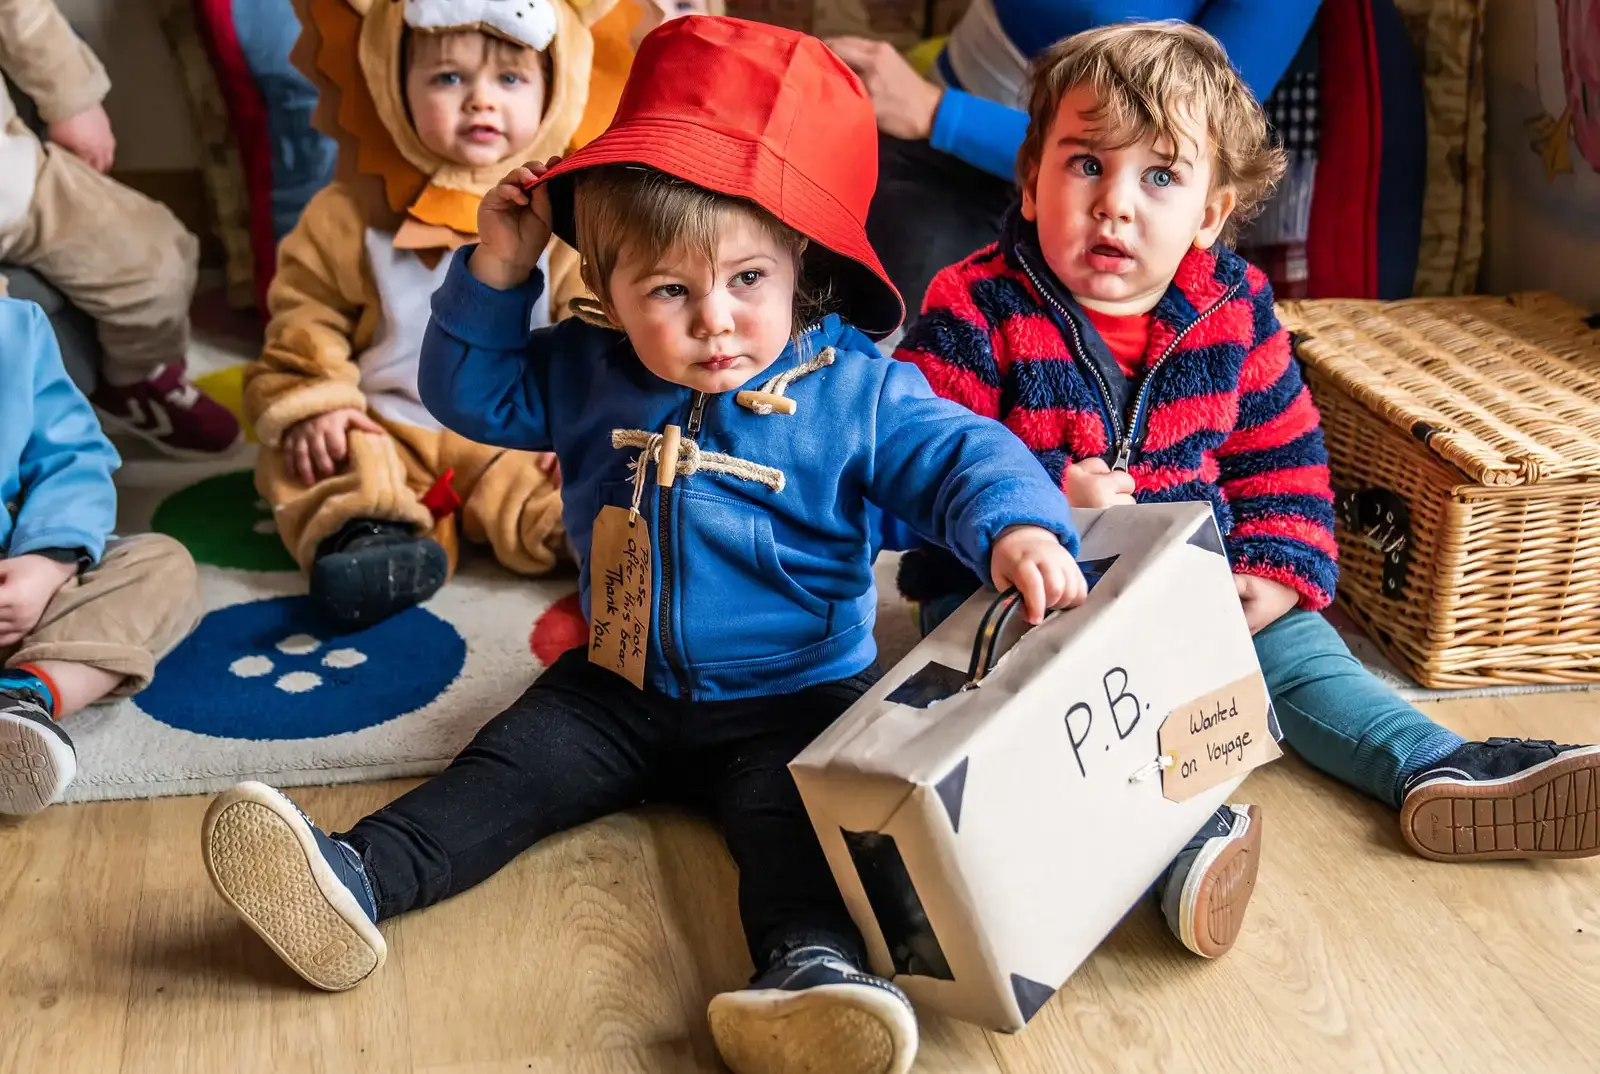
{"x":1261,"y":36}
{"x":984,"y":134}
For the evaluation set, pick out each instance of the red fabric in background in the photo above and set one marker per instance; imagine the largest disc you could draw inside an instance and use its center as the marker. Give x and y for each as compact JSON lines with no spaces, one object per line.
{"x":247,"y":118}
{"x":1342,"y":247}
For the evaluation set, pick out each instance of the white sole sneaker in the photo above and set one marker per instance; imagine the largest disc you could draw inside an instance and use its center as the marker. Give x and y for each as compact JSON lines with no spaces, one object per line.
{"x":111,"y":423}
{"x":1219,"y":885}
{"x":264,"y":861}
{"x":828,"y":1029}
{"x":37,"y":762}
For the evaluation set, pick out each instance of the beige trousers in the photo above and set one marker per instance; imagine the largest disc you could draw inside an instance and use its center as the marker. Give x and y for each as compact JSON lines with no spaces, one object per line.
{"x":507,"y":503}
{"x":122,"y":258}
{"x":121,"y":616}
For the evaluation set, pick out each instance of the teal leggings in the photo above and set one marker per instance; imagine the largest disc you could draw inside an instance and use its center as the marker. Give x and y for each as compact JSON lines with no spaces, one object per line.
{"x":1338,"y":716}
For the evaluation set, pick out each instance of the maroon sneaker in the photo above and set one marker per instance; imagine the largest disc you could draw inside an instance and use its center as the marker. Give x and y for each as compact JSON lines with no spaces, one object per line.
{"x":168,"y":412}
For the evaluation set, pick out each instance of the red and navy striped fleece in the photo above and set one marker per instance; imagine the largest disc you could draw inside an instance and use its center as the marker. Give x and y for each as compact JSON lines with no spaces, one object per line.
{"x":1220,"y":414}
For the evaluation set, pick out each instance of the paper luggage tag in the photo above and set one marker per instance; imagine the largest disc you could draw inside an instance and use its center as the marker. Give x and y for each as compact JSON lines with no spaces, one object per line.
{"x":1217,"y":737}
{"x":619,"y":593}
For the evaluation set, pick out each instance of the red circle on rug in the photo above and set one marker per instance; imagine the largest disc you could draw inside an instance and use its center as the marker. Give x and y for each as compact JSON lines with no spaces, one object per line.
{"x":560,"y":628}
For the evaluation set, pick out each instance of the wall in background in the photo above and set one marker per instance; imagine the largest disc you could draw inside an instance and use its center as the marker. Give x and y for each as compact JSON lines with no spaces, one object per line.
{"x":148,"y":110}
{"x":1543,"y":230}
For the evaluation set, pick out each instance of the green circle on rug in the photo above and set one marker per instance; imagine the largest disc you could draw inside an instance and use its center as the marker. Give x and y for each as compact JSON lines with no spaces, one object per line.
{"x":224,"y":522}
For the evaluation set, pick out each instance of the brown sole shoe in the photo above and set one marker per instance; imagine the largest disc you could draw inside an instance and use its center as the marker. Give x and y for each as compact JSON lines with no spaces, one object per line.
{"x":1551,"y":810}
{"x":1218,"y":889}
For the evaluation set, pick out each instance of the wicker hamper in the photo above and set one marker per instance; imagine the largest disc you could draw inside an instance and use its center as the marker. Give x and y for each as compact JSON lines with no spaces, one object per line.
{"x":1465,"y":444}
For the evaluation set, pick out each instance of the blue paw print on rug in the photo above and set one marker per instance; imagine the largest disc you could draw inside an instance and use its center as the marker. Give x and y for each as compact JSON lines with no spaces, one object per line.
{"x":270,"y":669}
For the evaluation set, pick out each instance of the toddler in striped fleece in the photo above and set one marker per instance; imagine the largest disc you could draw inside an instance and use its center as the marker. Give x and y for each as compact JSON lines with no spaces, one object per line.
{"x":1115,"y":332}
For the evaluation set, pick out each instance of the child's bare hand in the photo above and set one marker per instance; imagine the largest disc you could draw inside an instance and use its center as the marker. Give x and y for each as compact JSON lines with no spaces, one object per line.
{"x":1091,"y":483}
{"x":513,"y":227}
{"x":1033,"y":559}
{"x":88,"y":137}
{"x":27,"y":583}
{"x":1265,"y":601}
{"x":315,"y":449}
{"x":551,"y":466}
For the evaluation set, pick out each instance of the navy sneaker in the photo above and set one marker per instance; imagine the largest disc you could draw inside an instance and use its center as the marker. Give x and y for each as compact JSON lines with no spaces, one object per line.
{"x":814,"y":1012}
{"x":303,"y":892}
{"x":1209,"y":884}
{"x":1505,"y":798}
{"x":371,"y":570}
{"x":37,"y":760}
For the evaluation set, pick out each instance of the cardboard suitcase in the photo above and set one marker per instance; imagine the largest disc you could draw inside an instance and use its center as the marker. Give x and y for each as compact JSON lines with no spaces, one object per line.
{"x":988,"y":836}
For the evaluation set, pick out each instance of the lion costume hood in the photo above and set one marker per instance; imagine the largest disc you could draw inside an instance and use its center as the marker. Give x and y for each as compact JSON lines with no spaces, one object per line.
{"x":352,"y":51}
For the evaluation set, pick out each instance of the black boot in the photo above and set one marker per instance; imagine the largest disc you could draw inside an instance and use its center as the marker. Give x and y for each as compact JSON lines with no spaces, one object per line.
{"x":370,"y":570}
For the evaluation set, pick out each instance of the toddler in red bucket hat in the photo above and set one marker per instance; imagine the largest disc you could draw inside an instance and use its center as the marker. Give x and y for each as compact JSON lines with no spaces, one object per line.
{"x":727,"y":436}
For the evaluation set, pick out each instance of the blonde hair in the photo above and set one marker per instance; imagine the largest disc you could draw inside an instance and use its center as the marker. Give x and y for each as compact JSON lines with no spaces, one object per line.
{"x":1152,"y":79}
{"x":631,"y":208}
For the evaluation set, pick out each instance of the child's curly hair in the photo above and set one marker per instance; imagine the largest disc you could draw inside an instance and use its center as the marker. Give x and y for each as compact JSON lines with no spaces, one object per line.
{"x":1152,"y":80}
{"x":620,"y":206}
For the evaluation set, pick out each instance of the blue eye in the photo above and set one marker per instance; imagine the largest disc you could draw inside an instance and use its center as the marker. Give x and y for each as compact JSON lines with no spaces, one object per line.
{"x":511,"y":78}
{"x":447,"y":78}
{"x":1086,"y":165}
{"x":1160,"y":177}
{"x":750,"y":277}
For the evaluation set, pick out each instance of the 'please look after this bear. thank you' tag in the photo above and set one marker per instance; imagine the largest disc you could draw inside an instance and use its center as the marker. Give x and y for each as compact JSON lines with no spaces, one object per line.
{"x":619,"y":593}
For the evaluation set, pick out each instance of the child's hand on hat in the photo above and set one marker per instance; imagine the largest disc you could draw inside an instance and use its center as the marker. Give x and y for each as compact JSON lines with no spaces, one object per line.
{"x":1043,"y":571}
{"x":513,"y":228}
{"x":1265,"y":601}
{"x":315,"y":449}
{"x":1091,"y":483}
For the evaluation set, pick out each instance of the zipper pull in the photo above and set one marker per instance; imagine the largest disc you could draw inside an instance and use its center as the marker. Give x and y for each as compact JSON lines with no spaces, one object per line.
{"x":1124,"y":453}
{"x":697,"y":407}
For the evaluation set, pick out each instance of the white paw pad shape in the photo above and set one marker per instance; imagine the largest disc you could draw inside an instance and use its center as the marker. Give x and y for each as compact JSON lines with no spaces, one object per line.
{"x":256,"y":665}
{"x":266,"y":525}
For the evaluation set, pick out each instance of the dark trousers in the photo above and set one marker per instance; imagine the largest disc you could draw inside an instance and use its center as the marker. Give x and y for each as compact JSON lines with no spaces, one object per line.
{"x":582,"y":743}
{"x":930,"y":210}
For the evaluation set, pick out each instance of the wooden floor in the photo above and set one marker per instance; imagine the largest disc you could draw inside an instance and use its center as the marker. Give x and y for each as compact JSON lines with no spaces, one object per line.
{"x":597,"y":952}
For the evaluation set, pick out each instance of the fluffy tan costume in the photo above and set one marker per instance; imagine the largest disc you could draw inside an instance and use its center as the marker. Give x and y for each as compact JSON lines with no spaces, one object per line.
{"x":349,"y":301}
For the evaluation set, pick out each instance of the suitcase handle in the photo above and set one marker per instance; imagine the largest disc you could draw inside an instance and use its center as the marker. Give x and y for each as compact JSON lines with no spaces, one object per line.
{"x":994,"y":623}
{"x":999,"y":614}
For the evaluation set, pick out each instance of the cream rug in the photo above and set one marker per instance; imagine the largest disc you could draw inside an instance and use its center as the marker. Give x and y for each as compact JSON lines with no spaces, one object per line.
{"x":262,"y":691}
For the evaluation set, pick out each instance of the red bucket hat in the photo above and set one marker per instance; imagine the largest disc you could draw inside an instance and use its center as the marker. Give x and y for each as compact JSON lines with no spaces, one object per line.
{"x":762,"y":113}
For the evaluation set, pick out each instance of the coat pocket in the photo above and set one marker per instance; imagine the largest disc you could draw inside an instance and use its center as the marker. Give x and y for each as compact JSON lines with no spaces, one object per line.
{"x":736,"y":601}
